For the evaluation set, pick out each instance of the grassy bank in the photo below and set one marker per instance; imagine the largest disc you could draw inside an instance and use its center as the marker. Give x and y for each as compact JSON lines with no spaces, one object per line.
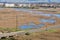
{"x":8,"y":29}
{"x":45,"y":35}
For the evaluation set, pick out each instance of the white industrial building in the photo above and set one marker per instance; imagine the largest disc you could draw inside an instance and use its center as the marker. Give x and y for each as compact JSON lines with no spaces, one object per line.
{"x":1,"y":4}
{"x":9,"y":5}
{"x":24,"y":5}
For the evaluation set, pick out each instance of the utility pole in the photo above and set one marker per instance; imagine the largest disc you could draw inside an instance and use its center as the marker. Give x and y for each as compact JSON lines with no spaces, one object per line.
{"x":49,"y":1}
{"x":16,"y":22}
{"x":4,"y":3}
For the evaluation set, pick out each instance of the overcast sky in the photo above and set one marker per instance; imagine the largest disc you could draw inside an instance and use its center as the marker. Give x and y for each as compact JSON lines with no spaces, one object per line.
{"x":30,"y":0}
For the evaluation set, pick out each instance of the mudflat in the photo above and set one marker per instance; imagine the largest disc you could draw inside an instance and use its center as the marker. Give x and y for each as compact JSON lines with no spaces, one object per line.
{"x":12,"y":18}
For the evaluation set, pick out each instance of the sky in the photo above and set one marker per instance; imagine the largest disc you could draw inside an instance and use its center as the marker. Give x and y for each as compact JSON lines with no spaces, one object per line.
{"x":58,"y":1}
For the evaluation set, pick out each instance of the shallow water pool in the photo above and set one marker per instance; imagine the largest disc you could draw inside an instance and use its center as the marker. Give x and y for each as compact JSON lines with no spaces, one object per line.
{"x":31,"y":26}
{"x":47,"y":20}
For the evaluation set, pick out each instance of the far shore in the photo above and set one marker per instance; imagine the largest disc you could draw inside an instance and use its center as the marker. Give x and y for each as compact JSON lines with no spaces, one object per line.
{"x":49,"y":10}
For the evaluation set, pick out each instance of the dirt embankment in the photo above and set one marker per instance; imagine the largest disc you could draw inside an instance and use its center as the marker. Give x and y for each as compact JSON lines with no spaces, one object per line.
{"x":45,"y":35}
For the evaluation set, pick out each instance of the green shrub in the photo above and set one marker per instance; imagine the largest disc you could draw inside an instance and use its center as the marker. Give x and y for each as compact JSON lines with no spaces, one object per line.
{"x":52,"y":30}
{"x":27,"y":33}
{"x":9,"y":29}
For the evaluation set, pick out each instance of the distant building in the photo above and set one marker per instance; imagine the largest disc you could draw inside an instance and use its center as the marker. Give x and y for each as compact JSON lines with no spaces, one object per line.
{"x":20,"y":5}
{"x":29,"y":5}
{"x":24,"y":5}
{"x":1,"y":4}
{"x":9,"y":5}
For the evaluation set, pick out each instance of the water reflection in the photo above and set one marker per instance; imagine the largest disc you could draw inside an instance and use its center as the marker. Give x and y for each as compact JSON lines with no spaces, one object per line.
{"x":47,"y":20}
{"x":46,"y":15}
{"x":30,"y":26}
{"x":57,"y":15}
